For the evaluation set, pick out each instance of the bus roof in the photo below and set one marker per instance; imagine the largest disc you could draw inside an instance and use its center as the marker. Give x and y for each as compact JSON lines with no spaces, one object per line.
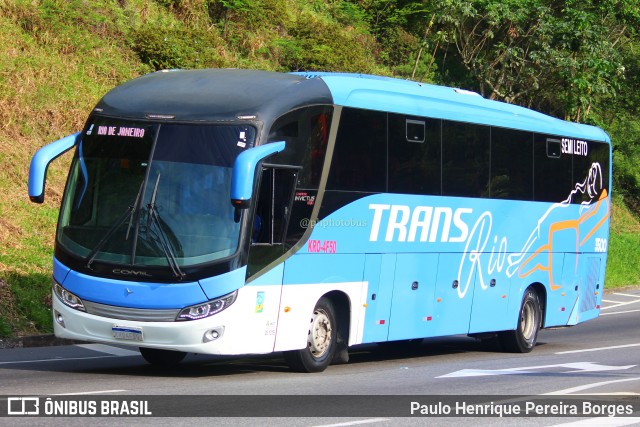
{"x":226,"y":94}
{"x":427,"y":100}
{"x":212,"y":95}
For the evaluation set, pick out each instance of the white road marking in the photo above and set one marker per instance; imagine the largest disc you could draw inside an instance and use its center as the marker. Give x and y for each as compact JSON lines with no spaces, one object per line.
{"x":620,"y":304}
{"x":627,"y":295}
{"x":355,"y":423}
{"x":589,"y":386}
{"x":59,"y":359}
{"x":578,"y":367}
{"x":598,"y":349}
{"x":109,"y":349}
{"x":89,"y":392}
{"x":612,"y":301}
{"x":619,"y":312}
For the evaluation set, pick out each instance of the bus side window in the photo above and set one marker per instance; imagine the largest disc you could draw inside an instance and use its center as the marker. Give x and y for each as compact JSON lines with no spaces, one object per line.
{"x":591,"y":166}
{"x":271,"y":216}
{"x":511,"y":164}
{"x":274,"y":205}
{"x":552,"y":170}
{"x":414,"y":155}
{"x":465,"y":159}
{"x":360,"y":155}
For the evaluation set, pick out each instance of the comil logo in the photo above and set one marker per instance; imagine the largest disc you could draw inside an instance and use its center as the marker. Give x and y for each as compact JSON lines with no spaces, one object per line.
{"x":23,"y":406}
{"x":135,"y":273}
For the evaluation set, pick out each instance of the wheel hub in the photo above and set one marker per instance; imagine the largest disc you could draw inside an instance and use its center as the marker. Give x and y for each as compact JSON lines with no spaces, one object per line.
{"x":319,"y":338}
{"x":527,"y":321}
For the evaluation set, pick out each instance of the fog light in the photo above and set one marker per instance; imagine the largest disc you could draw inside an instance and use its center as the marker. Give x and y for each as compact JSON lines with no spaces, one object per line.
{"x":58,"y":318}
{"x":213,"y":334}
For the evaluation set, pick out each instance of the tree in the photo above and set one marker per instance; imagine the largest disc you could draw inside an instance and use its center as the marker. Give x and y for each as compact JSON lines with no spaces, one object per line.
{"x":557,"y":57}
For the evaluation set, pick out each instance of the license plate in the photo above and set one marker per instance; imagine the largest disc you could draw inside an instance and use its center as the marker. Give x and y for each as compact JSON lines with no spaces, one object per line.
{"x":129,"y":333}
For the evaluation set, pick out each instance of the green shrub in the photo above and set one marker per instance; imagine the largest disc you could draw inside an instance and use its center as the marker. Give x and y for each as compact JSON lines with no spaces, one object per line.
{"x":313,"y":44}
{"x":166,"y":48}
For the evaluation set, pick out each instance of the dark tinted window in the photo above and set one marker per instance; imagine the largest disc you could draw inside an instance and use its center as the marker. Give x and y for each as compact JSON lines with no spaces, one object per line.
{"x":207,"y":145}
{"x":414,"y":155}
{"x":511,"y":164}
{"x":360,"y":155}
{"x":553,"y":177}
{"x":271,"y":216}
{"x":590,"y":170}
{"x":306,"y":133}
{"x":465,"y":159}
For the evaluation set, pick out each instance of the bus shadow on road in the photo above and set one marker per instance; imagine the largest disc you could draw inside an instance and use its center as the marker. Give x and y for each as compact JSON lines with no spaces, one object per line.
{"x":198,"y":365}
{"x":72,"y":359}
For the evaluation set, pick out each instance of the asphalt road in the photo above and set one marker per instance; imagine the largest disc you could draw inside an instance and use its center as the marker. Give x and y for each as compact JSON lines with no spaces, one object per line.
{"x":599,"y":359}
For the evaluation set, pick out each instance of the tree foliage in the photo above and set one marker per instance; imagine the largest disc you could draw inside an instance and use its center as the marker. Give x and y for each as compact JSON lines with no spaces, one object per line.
{"x":561,"y":58}
{"x":576,"y":59}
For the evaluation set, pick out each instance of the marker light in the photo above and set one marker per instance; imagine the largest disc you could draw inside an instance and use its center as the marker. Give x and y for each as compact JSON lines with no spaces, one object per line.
{"x":209,"y":308}
{"x":67,"y":297}
{"x":58,"y":318}
{"x":213,"y":334}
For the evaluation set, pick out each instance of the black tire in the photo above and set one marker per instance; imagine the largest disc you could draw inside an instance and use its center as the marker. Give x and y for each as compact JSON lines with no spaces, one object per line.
{"x":524,"y":338}
{"x":164,"y":358}
{"x":321,"y":341}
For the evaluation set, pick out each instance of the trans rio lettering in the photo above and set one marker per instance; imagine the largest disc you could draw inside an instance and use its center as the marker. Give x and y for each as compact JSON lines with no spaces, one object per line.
{"x":422,"y":223}
{"x":400,"y":223}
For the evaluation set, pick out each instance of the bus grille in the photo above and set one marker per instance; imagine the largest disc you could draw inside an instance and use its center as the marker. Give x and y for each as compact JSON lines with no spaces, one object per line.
{"x":125,"y":313}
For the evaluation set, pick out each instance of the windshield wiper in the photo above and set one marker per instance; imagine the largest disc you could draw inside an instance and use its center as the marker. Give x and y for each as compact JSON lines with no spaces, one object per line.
{"x":128,"y":214}
{"x":161,"y":238}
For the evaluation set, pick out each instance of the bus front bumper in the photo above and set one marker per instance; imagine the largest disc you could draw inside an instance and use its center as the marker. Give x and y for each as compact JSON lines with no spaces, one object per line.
{"x":222,"y":334}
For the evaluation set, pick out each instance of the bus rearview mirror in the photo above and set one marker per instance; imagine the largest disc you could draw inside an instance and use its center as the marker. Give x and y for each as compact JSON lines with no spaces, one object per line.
{"x":40,"y":163}
{"x":244,"y":170}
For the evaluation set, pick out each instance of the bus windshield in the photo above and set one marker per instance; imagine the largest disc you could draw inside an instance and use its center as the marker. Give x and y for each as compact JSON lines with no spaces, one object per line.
{"x":152,"y":194}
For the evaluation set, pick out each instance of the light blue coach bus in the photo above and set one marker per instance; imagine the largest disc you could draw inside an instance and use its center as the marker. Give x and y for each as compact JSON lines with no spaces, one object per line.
{"x":245,"y":212}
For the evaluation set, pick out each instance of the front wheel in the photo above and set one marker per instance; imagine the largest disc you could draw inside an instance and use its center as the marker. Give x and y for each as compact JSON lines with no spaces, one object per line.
{"x":524,"y":338}
{"x":321,"y":341}
{"x":165,"y":358}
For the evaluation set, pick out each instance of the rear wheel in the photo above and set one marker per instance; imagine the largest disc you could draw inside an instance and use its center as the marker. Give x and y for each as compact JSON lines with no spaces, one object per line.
{"x":160,"y":357}
{"x":321,"y":341}
{"x":524,"y":338}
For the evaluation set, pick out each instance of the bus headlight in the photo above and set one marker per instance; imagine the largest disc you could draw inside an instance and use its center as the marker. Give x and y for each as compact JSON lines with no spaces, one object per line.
{"x":209,"y":308}
{"x":67,"y":297}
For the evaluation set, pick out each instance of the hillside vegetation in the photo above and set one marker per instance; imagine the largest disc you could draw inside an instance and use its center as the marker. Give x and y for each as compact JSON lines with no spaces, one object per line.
{"x":578,"y":62}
